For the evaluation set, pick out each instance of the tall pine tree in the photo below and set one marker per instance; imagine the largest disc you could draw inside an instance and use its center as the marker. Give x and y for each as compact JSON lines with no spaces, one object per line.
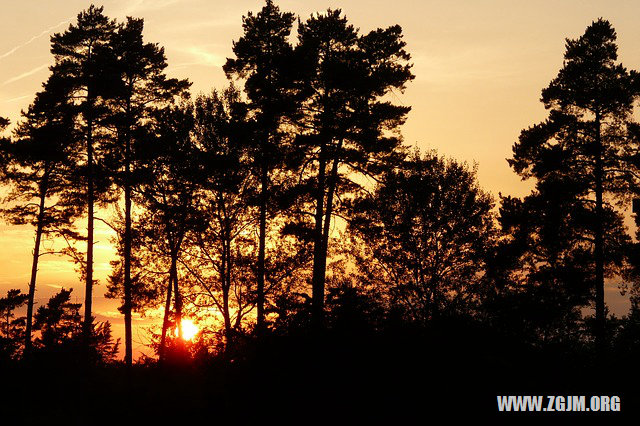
{"x":349,"y":127}
{"x":139,"y":86}
{"x":38,"y":167}
{"x":585,"y":144}
{"x":264,"y":58}
{"x":80,"y":55}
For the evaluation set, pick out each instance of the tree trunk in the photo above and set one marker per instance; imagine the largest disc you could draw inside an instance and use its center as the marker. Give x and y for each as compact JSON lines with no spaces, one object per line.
{"x":317,"y":283}
{"x":600,"y":331}
{"x":165,"y":320}
{"x":333,"y":181}
{"x":34,"y":272}
{"x":264,"y":182}
{"x":88,"y":297}
{"x":128,"y":357}
{"x":177,"y":298}
{"x":225,"y":278}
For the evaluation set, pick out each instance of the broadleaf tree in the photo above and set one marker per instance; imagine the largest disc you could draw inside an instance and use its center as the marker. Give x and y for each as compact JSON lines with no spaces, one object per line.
{"x":423,"y":236}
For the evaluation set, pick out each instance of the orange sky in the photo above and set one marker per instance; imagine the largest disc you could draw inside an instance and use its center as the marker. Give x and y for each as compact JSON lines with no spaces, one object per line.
{"x":479,"y":66}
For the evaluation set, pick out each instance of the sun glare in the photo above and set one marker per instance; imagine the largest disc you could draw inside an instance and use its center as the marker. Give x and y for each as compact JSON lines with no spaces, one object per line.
{"x":189,"y":329}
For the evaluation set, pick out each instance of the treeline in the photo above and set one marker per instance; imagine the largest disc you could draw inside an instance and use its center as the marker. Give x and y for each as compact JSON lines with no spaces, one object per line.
{"x":286,"y":204}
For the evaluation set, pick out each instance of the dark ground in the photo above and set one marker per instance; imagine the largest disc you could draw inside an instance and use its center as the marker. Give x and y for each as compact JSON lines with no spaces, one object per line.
{"x":401,"y":378}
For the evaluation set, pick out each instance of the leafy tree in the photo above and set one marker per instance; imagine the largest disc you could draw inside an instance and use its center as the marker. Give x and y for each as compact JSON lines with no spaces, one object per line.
{"x":139,"y":87}
{"x":12,"y":329}
{"x":424,"y":233}
{"x":80,"y":58}
{"x":38,"y":167}
{"x":264,"y":58}
{"x":349,"y":126}
{"x":586,"y":143}
{"x":219,"y":259}
{"x":171,"y":208}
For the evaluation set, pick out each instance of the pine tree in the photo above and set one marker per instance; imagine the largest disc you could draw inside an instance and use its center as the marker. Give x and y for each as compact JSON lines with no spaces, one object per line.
{"x":58,"y":321}
{"x":61,"y":333}
{"x":12,"y":328}
{"x":138,"y":87}
{"x":348,"y":127}
{"x":38,"y":168}
{"x":264,"y":58}
{"x":170,"y":206}
{"x":585,"y":144}
{"x":80,"y":55}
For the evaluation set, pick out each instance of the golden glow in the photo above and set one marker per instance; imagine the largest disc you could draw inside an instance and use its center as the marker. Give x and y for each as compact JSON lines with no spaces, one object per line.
{"x":189,"y":329}
{"x":479,"y":70}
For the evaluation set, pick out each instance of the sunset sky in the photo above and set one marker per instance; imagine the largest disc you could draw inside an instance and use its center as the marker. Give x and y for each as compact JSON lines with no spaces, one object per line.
{"x":479,"y":66}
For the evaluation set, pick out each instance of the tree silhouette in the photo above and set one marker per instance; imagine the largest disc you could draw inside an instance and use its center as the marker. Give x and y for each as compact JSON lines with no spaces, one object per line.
{"x":348,"y":129}
{"x":12,"y":328}
{"x":37,"y":169}
{"x":423,"y":235}
{"x":79,"y":67}
{"x":144,"y":291}
{"x":585,"y":144}
{"x":61,"y":332}
{"x":139,"y":86}
{"x":170,"y":199}
{"x":220,"y":254}
{"x":58,"y":321}
{"x":264,"y":58}
{"x":539,"y":265}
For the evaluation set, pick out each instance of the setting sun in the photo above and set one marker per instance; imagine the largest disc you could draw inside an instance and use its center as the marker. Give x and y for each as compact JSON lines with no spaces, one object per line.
{"x":189,"y":329}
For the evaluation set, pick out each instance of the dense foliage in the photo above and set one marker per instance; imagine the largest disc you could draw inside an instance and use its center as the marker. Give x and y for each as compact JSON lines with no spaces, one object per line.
{"x":284,"y":216}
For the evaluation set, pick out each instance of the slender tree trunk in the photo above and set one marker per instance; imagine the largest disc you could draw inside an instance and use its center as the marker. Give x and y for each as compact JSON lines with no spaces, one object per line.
{"x":333,"y":181}
{"x":128,"y":357}
{"x":599,"y":246}
{"x":264,"y":182}
{"x":165,"y":320}
{"x":88,"y":297}
{"x":176,"y":291}
{"x":225,"y":279}
{"x":320,"y":255}
{"x":34,"y":272}
{"x":317,"y":283}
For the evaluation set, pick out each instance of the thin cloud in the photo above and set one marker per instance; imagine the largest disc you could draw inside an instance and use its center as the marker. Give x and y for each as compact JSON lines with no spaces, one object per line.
{"x":19,"y":98}
{"x":206,"y":57}
{"x":26,"y":74}
{"x":34,"y":38}
{"x":57,"y":287}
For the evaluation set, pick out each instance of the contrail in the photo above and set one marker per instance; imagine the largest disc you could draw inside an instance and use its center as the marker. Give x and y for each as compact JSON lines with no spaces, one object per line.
{"x":17,"y":98}
{"x":26,"y":74}
{"x":35,"y":37}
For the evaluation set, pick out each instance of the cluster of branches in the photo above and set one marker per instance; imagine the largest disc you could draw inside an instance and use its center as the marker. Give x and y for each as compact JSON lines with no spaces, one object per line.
{"x":59,"y":325}
{"x":561,"y":242}
{"x":227,"y":206}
